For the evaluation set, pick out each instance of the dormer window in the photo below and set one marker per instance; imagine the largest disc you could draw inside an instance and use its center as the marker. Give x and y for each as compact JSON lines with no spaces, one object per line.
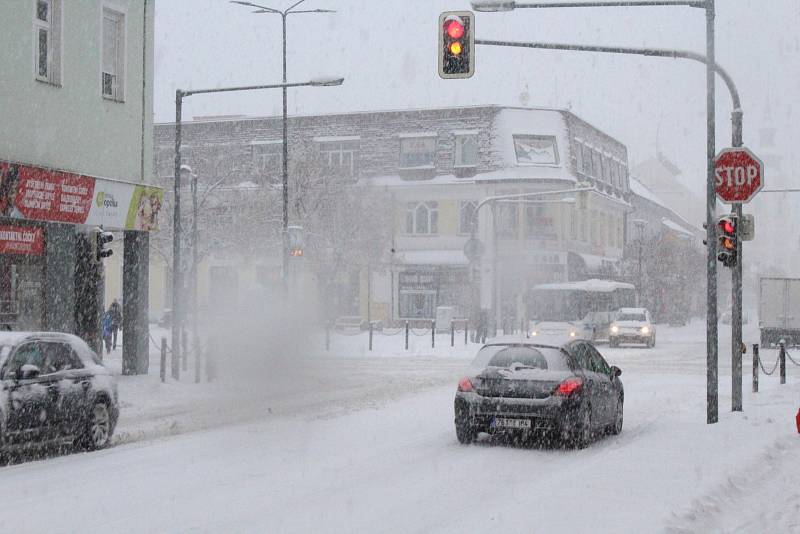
{"x":535,"y":150}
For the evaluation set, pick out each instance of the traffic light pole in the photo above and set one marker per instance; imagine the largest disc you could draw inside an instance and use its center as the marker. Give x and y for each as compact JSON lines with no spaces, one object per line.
{"x":712,"y":345}
{"x":736,"y":290}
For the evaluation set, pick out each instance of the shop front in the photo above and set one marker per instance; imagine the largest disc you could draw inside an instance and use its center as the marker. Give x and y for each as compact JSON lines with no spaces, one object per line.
{"x":50,"y":275}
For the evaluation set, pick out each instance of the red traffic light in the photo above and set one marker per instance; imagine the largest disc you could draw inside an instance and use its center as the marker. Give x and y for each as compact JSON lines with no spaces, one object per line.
{"x":454,"y":29}
{"x":727,"y":226}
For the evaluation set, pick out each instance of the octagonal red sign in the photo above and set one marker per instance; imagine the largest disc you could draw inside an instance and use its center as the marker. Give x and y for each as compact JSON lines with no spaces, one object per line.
{"x":739,"y":175}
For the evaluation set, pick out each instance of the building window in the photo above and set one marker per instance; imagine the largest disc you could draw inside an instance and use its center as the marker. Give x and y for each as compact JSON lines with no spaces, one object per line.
{"x":113,"y":71}
{"x":339,"y":157}
{"x":468,"y":221}
{"x":579,"y":156}
{"x":615,"y":174}
{"x":466,"y":152}
{"x":422,"y":218}
{"x":536,"y":150}
{"x":507,"y":220}
{"x":417,"y":152}
{"x":47,"y":41}
{"x":267,"y":157}
{"x":587,"y":161}
{"x":597,"y":165}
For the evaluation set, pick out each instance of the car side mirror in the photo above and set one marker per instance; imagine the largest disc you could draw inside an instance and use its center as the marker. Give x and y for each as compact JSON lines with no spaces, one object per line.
{"x":29,"y":372}
{"x":615,"y":371}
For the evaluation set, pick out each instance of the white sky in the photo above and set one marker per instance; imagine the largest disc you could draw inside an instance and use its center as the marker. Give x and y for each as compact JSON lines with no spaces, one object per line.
{"x":386,"y":50}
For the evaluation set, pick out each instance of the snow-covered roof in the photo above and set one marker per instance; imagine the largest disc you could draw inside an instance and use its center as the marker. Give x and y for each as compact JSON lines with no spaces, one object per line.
{"x":640,"y":190}
{"x":433,"y":257}
{"x":594,"y":285}
{"x":675,"y":227}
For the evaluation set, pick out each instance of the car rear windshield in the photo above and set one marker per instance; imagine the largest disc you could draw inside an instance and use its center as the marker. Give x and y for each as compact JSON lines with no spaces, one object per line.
{"x":631,"y":317}
{"x":526,"y":356}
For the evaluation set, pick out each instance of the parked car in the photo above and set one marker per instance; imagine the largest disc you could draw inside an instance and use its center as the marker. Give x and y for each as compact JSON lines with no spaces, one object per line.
{"x":727,"y":317}
{"x":347,"y":323}
{"x":54,"y":390}
{"x":561,"y":387}
{"x":632,"y":325}
{"x":166,"y":319}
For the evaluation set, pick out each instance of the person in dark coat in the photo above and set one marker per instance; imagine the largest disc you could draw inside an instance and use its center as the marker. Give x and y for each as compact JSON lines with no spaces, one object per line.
{"x":116,"y":321}
{"x":105,"y":324}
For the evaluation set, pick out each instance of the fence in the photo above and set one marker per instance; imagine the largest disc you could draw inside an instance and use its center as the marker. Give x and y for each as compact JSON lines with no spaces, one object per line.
{"x":406,"y":330}
{"x":780,"y":364}
{"x":200,"y":355}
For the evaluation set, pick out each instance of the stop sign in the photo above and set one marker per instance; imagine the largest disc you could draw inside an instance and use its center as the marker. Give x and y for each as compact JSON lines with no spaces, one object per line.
{"x":739,"y":174}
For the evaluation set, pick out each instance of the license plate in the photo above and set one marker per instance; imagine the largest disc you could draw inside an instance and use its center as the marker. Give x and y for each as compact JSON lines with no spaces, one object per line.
{"x":502,"y":422}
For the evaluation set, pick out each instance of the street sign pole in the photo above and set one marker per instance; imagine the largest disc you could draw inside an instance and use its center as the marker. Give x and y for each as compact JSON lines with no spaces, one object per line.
{"x":736,"y":290}
{"x":712,"y":368}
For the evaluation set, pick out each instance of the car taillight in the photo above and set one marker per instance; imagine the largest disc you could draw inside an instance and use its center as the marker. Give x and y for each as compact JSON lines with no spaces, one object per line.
{"x":465,"y":385}
{"x":569,"y":386}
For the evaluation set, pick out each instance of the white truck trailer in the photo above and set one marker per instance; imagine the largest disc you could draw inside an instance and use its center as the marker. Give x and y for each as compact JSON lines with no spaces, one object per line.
{"x":779,"y":310}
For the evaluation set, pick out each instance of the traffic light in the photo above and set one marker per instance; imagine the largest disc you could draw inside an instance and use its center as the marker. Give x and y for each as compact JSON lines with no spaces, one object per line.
{"x":728,"y":240}
{"x":99,"y":241}
{"x":295,"y":241}
{"x":456,"y":44}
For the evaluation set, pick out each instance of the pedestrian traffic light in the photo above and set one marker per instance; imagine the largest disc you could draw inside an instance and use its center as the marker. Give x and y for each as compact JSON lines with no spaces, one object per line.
{"x":456,"y":44}
{"x":99,"y":241}
{"x":728,"y":240}
{"x":295,"y":241}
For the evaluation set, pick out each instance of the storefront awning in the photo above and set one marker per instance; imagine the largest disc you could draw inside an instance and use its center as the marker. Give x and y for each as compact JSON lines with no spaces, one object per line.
{"x":28,"y":192}
{"x":433,"y":257}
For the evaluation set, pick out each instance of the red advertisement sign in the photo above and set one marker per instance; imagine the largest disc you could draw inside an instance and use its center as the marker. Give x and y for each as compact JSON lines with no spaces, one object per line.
{"x":21,"y":240}
{"x":44,"y":195}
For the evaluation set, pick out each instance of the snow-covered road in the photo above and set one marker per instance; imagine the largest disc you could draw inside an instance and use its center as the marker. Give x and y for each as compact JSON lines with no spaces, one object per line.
{"x":374,"y":451}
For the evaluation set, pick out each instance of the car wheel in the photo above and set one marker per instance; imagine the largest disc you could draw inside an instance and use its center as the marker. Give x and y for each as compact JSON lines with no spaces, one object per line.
{"x":652,"y":342}
{"x":582,"y":436}
{"x":616,"y":428}
{"x":465,"y":433}
{"x":97,"y":433}
{"x":613,"y":343}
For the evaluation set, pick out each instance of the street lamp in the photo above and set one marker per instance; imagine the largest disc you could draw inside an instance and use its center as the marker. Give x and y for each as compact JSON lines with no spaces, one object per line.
{"x":180,"y":94}
{"x":291,"y":10}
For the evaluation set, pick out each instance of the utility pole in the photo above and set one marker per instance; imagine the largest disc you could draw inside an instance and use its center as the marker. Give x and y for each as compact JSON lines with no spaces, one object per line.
{"x":712,"y":341}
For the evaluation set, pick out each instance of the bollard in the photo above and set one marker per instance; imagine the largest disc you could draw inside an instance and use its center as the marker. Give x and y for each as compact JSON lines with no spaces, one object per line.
{"x":197,"y":363}
{"x":211,"y":370}
{"x":163,"y":359}
{"x":783,"y":362}
{"x":433,"y":334}
{"x":370,"y":335}
{"x":406,"y":335}
{"x":176,"y":365}
{"x":452,"y":332}
{"x":755,"y":368}
{"x":466,"y":332}
{"x":328,"y":336}
{"x":185,"y":351}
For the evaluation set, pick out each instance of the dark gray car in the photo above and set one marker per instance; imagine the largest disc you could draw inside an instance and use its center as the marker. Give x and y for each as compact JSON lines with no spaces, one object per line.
{"x":533,"y":386}
{"x":54,"y":390}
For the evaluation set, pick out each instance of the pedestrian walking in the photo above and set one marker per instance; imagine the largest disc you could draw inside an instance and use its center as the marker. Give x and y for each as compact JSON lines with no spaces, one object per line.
{"x":116,"y":321}
{"x":105,"y":323}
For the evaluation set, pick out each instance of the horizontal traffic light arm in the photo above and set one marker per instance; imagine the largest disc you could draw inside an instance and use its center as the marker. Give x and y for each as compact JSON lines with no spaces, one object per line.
{"x":651,"y":52}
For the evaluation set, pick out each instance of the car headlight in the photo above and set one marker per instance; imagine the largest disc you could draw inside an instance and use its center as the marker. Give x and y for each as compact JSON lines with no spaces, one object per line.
{"x":614,"y":329}
{"x":534,"y":333}
{"x":573,"y":334}
{"x":645,"y":330}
